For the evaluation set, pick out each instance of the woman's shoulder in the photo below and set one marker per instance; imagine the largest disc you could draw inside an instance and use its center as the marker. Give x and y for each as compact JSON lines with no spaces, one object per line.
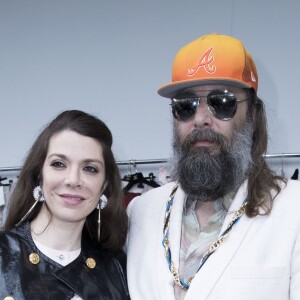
{"x":90,"y":247}
{"x":17,"y":230}
{"x":11,"y":233}
{"x":15,"y":240}
{"x":106,"y":254}
{"x":107,"y":257}
{"x":121,"y":257}
{"x":9,"y":244}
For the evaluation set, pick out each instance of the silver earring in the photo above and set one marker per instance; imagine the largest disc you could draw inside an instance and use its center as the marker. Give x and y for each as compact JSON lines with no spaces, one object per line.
{"x":38,"y":197}
{"x":101,"y":204}
{"x":38,"y":194}
{"x":103,"y":201}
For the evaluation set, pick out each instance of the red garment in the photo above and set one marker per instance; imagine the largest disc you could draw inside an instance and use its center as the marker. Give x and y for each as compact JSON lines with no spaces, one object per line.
{"x":129,"y":196}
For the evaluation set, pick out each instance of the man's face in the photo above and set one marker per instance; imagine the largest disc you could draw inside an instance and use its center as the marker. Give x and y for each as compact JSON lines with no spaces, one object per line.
{"x":213,"y":156}
{"x":204,"y":119}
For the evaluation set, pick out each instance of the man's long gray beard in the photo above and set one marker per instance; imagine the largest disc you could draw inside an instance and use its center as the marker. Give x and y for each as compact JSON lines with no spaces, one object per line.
{"x":207,"y":176}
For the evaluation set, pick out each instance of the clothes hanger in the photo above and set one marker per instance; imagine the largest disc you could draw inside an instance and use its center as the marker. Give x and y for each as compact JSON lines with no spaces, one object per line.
{"x":139,"y":179}
{"x":151,"y":180}
{"x":3,"y":184}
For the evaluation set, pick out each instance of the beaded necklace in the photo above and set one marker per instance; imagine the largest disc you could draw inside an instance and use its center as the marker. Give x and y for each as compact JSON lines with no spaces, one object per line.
{"x":214,"y":246}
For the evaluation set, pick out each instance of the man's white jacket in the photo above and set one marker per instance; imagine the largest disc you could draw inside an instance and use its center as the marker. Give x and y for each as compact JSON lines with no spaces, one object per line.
{"x":259,"y":260}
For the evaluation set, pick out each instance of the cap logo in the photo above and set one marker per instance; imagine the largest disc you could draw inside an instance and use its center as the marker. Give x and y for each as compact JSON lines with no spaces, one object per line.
{"x":253,"y":77}
{"x":205,"y":61}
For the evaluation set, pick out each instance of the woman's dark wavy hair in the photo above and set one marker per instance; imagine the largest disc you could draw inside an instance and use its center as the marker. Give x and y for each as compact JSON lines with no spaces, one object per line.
{"x":113,"y":216}
{"x":262,"y":182}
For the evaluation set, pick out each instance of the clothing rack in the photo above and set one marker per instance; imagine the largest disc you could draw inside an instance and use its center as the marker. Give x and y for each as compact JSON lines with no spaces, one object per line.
{"x":134,"y":162}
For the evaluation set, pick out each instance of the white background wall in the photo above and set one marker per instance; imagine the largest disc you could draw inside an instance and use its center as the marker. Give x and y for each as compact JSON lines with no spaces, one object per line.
{"x":109,"y":57}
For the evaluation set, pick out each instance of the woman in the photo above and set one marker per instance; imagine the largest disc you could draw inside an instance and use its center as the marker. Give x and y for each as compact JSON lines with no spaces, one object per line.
{"x":52,"y":246}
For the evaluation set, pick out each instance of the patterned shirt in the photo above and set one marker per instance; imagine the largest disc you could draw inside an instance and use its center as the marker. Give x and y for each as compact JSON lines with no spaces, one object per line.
{"x":195,"y":240}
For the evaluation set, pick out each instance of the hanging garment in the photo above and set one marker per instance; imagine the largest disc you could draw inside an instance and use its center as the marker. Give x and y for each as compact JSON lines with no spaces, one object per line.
{"x":295,"y":175}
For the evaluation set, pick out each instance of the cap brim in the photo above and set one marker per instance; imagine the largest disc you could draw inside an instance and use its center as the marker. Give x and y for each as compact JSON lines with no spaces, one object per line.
{"x":171,"y":90}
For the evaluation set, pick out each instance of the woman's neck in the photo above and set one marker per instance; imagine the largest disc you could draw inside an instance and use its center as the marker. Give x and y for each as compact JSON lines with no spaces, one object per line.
{"x":56,"y":234}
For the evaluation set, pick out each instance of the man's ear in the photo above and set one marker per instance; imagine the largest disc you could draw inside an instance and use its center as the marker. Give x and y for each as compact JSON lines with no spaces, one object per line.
{"x":256,"y":110}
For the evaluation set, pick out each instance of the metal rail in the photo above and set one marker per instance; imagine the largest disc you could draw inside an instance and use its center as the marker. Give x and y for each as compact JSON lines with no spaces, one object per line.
{"x":133,"y":162}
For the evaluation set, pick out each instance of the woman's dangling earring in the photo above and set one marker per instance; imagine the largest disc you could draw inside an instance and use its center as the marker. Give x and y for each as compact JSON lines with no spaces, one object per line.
{"x":101,"y":204}
{"x":38,"y":197}
{"x":38,"y":194}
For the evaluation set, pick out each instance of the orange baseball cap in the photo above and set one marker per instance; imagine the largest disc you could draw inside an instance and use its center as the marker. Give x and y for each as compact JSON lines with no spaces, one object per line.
{"x":211,"y":59}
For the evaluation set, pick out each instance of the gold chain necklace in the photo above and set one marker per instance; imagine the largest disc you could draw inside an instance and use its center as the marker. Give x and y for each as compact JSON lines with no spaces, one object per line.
{"x":214,"y":246}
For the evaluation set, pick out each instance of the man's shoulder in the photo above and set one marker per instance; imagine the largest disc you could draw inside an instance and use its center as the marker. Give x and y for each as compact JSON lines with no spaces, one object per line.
{"x":289,"y":196}
{"x":291,"y":186}
{"x":166,"y":188}
{"x":156,"y":193}
{"x":152,"y":199}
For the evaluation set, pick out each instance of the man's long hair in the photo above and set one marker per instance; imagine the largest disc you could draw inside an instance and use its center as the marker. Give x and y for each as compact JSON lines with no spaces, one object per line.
{"x":263,"y":184}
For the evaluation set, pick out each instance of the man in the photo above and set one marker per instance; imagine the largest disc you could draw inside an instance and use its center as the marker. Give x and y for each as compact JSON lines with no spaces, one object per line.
{"x":227,"y":228}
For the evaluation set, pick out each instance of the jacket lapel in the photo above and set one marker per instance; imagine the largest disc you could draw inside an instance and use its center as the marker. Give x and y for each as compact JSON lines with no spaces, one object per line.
{"x":99,"y":278}
{"x":208,"y":276}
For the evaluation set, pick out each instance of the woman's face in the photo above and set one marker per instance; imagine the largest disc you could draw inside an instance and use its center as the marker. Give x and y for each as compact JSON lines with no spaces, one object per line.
{"x":73,"y":176}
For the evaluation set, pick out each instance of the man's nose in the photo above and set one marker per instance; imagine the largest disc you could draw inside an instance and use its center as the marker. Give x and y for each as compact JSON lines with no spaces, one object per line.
{"x":203,"y":118}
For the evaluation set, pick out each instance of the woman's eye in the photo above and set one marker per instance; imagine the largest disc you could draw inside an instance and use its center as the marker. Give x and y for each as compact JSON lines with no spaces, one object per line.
{"x":57,"y":165}
{"x":91,"y":169}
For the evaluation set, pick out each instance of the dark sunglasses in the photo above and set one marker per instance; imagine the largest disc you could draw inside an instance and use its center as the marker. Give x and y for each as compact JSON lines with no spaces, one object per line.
{"x":222,"y":104}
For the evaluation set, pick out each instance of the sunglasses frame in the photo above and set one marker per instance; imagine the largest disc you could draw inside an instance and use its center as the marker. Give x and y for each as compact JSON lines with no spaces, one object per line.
{"x":210,"y":108}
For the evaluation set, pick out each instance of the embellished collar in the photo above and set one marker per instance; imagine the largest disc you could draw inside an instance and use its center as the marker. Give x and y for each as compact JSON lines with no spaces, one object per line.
{"x":220,"y":203}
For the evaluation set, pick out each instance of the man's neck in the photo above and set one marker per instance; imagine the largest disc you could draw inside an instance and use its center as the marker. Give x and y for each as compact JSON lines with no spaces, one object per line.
{"x":204,"y":210}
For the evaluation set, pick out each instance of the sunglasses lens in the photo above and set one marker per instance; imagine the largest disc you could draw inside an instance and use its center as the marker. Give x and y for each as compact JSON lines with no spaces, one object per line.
{"x":184,"y":109}
{"x":222,"y":104}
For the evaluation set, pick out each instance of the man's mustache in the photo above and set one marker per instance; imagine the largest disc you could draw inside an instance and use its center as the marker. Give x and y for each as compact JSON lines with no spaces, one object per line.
{"x":204,"y":134}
